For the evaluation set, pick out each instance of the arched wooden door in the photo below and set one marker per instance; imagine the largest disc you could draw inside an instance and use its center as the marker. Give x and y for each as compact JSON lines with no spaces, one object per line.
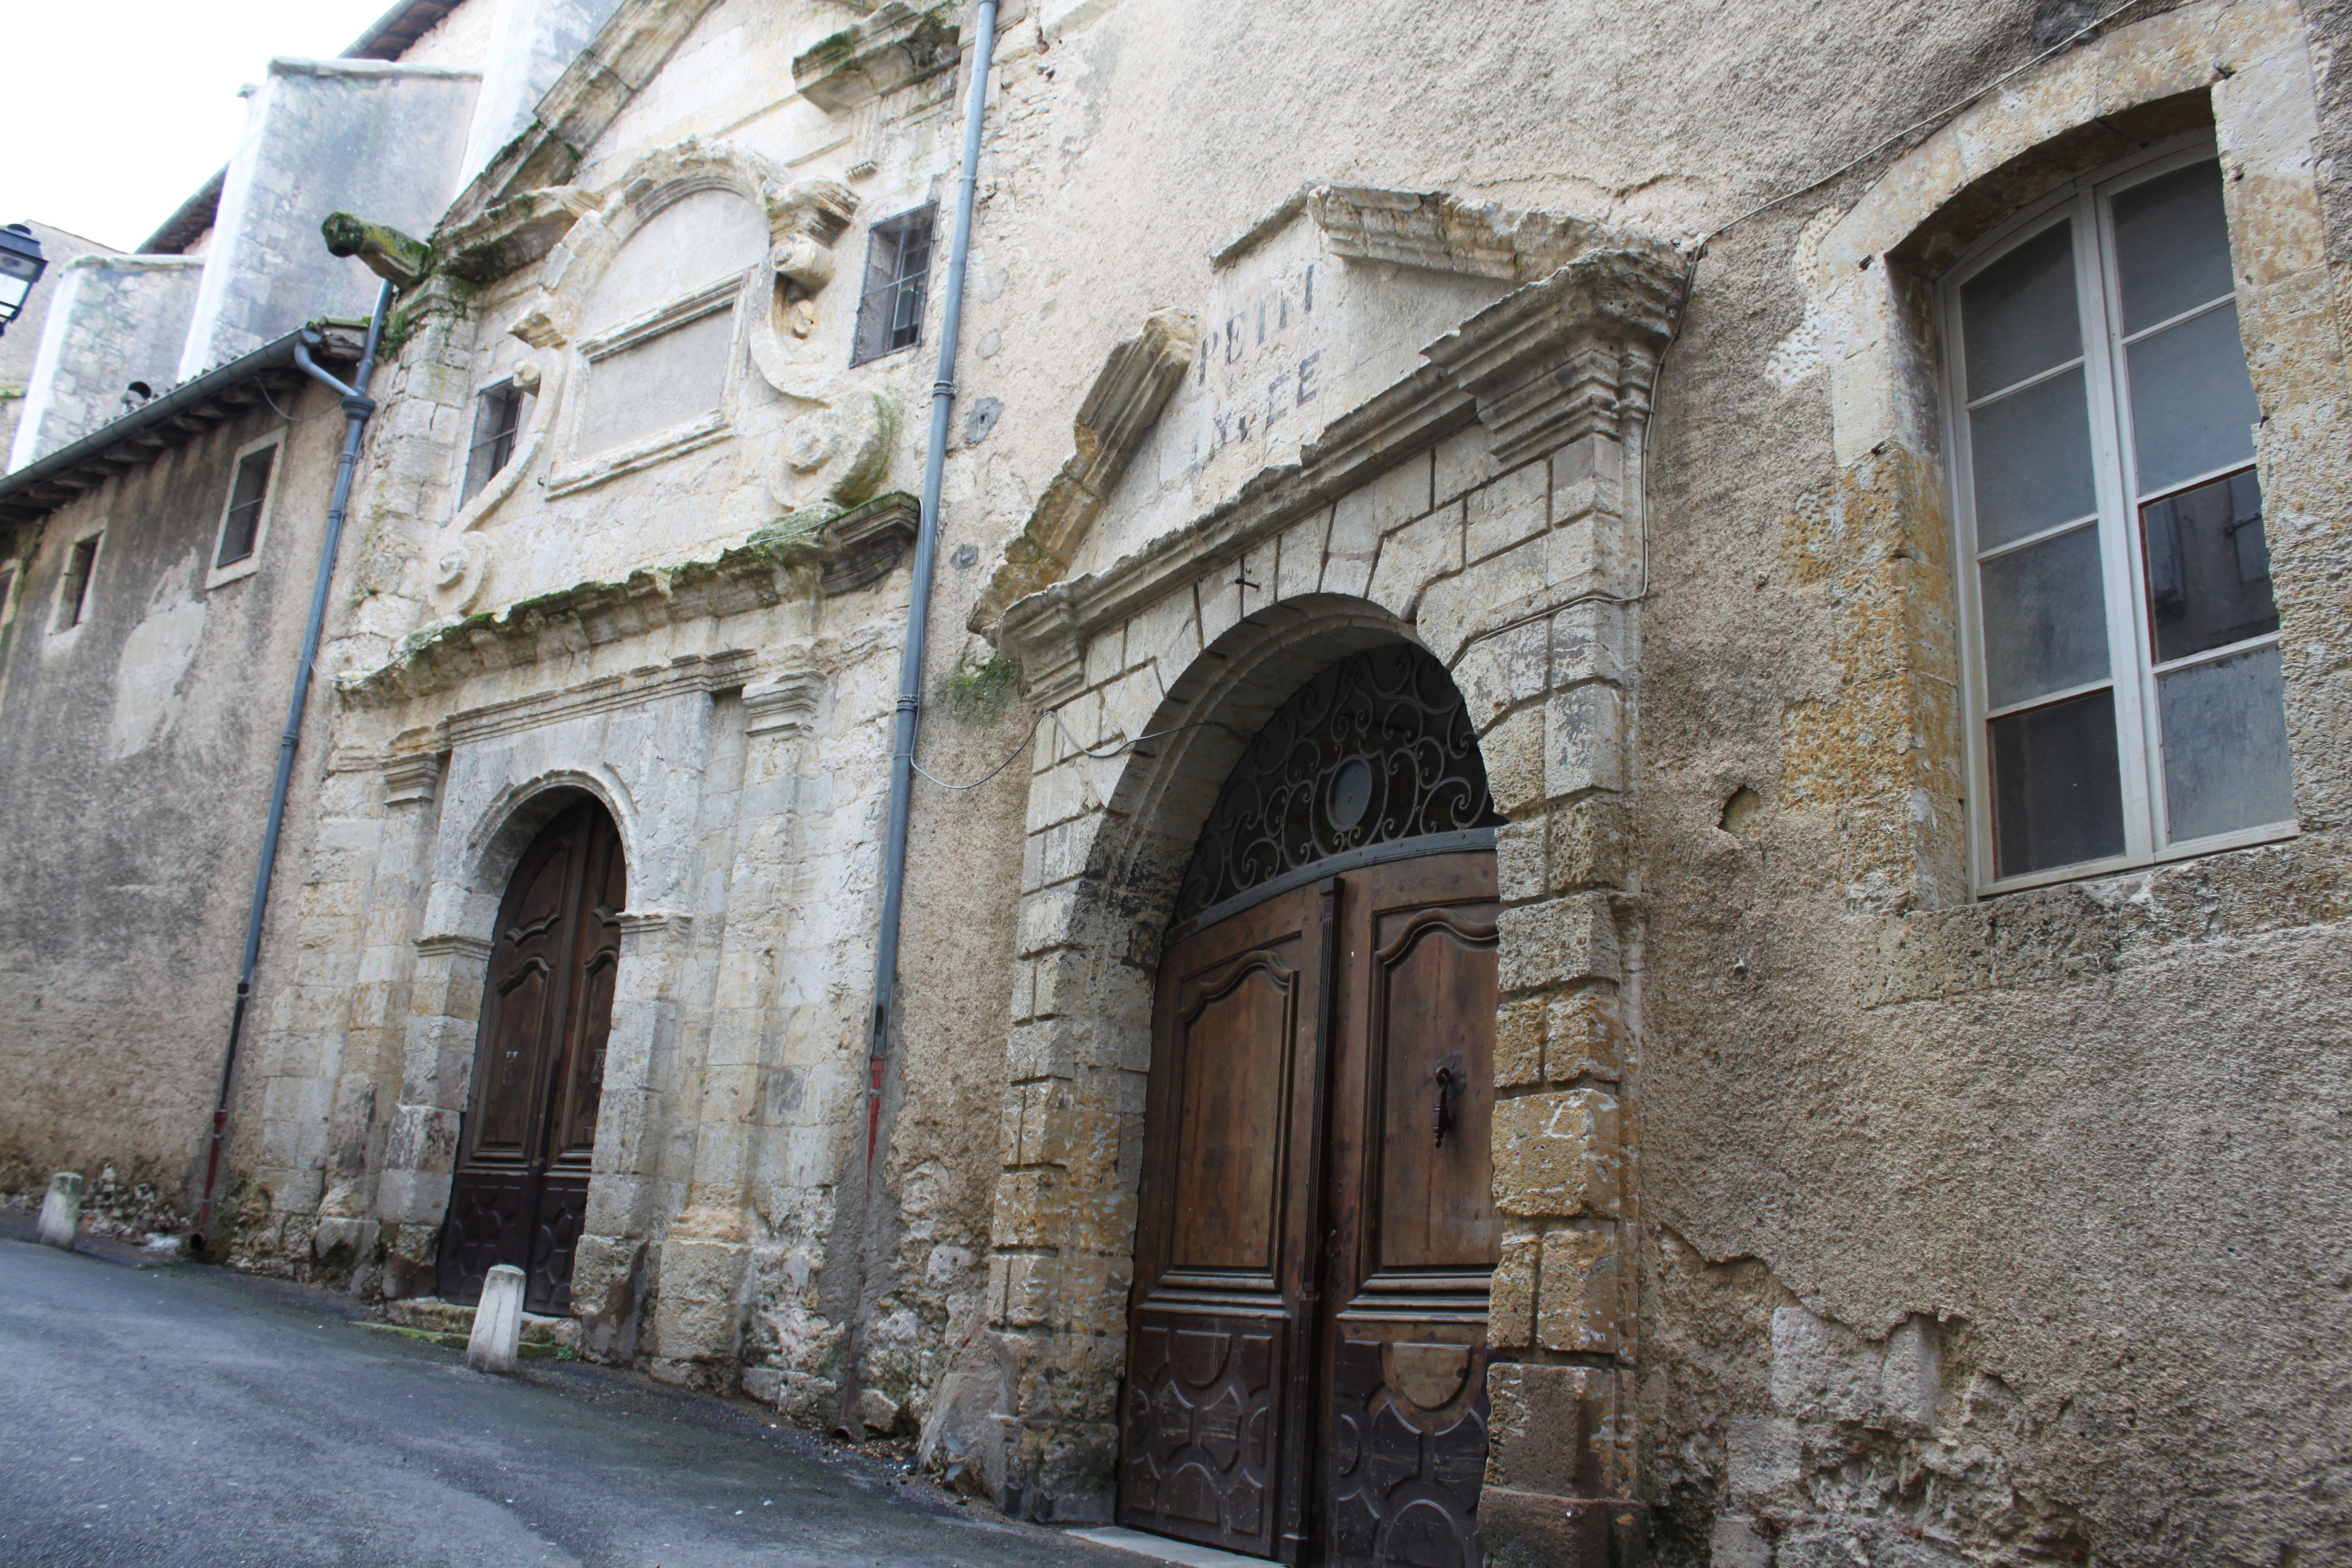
{"x":1306,"y":1332}
{"x":520,"y":1190}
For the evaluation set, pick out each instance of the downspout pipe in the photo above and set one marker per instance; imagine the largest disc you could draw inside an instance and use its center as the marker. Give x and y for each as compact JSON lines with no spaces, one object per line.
{"x":910,"y":682}
{"x":357,"y":407}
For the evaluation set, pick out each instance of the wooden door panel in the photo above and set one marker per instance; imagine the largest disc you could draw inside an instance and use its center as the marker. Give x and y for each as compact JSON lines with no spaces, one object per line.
{"x":1208,"y":1452}
{"x":561,"y":1211}
{"x":1234,"y":1040}
{"x":1432,"y":1057}
{"x":1200,"y":1427}
{"x":486,"y":1224}
{"x":1407,"y":1444}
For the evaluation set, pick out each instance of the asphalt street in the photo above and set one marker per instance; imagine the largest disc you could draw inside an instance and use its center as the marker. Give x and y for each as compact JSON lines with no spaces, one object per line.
{"x":180,"y":1414}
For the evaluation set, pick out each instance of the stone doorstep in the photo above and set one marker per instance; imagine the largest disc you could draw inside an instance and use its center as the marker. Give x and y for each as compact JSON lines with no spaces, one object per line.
{"x":1162,"y":1549}
{"x":430,"y":1314}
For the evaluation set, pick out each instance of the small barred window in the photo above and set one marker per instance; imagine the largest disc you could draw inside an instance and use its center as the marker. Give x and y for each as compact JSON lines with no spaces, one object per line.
{"x":898,"y":278}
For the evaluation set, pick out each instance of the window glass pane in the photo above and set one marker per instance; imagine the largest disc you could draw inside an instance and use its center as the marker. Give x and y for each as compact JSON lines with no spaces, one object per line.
{"x":2172,"y":244}
{"x":2192,"y":405}
{"x":2030,"y":456}
{"x":2209,"y":567}
{"x":2057,"y":797}
{"x":244,"y":520}
{"x":2019,"y":315}
{"x":2225,"y":762}
{"x":2045,"y":619}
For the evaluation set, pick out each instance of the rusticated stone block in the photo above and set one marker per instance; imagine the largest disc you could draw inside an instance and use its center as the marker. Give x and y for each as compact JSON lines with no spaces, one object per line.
{"x":1557,"y":943}
{"x":1584,"y":740}
{"x":1578,"y":1304}
{"x":1510,"y":1309}
{"x":1557,"y":1155}
{"x":1519,"y":1029}
{"x":1514,"y":754}
{"x":1557,"y":1430}
{"x":1586,"y":1037}
{"x":1591,"y":845}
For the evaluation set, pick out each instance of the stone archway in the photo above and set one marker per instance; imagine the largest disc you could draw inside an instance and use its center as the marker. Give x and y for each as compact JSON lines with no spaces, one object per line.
{"x":1489,"y":508}
{"x":520,"y":1183}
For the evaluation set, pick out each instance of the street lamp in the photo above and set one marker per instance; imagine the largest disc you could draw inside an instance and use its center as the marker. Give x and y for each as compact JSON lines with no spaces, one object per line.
{"x":21,"y":266}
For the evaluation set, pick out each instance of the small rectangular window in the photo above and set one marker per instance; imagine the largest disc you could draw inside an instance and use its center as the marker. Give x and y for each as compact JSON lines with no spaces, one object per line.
{"x":73,"y":593}
{"x":247,"y":494}
{"x":898,"y":277}
{"x":497,"y":418}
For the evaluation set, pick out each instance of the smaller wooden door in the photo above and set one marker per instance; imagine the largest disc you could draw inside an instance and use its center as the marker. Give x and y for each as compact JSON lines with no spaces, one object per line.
{"x":520,"y":1189}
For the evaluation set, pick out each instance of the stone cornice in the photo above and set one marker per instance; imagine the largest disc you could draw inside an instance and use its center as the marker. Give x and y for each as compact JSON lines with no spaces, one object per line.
{"x":784,"y":704}
{"x":513,"y":234}
{"x":690,"y":675}
{"x":1558,"y":359}
{"x":897,"y":46}
{"x":1545,"y":365}
{"x":760,"y":574}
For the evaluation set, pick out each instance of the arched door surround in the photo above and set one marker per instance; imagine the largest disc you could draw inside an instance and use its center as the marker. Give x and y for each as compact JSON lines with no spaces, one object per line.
{"x":1306,"y":1336}
{"x":520,"y":1192}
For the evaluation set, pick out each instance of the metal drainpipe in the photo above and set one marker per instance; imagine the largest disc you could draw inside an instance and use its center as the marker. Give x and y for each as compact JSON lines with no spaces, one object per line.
{"x":911,"y":685}
{"x":357,"y":407}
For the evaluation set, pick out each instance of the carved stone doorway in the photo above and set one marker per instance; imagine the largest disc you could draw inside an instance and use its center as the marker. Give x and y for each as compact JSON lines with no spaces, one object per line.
{"x":520,"y":1188}
{"x":1306,"y":1335}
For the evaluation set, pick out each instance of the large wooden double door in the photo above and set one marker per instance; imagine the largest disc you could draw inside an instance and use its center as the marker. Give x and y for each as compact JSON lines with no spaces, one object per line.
{"x":520,"y":1190}
{"x":1306,"y":1350}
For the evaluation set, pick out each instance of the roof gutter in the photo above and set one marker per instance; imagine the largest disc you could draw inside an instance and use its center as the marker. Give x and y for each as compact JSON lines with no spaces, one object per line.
{"x":188,"y":395}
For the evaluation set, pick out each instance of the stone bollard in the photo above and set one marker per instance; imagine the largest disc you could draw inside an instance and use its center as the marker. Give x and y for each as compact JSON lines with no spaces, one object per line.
{"x":497,"y":1339}
{"x":61,"y":1210}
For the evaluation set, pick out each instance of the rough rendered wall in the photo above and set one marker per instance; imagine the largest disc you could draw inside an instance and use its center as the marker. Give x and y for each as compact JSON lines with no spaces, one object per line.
{"x":136,"y":752}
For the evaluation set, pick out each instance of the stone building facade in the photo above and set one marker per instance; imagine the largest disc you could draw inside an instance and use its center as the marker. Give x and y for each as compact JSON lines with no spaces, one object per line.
{"x":1896,"y":1155}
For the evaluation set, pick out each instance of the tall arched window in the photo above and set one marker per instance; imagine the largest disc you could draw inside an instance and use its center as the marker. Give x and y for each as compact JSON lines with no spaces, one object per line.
{"x":2123,"y":672}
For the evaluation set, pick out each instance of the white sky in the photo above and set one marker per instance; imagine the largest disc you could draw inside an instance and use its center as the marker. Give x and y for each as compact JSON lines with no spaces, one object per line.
{"x":116,"y":111}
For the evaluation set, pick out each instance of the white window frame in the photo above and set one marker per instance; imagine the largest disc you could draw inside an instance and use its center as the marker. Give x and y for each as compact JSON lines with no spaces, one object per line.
{"x":2132,"y":667}
{"x":214,"y":576}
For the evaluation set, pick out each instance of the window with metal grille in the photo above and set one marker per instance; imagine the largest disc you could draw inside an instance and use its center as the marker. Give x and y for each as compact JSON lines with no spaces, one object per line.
{"x":2124,"y":670}
{"x":497,"y":418}
{"x":241,"y":528}
{"x":73,"y":593}
{"x":897,"y":275}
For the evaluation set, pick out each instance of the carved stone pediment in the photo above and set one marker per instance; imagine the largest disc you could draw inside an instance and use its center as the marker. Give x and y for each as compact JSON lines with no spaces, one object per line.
{"x":854,"y":550}
{"x":1126,"y":399}
{"x":1556,"y":362}
{"x":1347,"y":325}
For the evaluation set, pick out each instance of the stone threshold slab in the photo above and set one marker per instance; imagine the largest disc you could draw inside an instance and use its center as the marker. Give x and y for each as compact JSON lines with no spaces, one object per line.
{"x":1159,"y":1548}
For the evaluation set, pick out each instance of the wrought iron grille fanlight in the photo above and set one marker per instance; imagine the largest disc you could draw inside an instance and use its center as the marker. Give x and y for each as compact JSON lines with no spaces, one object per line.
{"x":1375,"y":749}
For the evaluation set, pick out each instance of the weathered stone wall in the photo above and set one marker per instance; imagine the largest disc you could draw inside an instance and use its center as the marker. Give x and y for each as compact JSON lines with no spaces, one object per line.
{"x":1954,"y":1246}
{"x":137,"y":751}
{"x":1845,"y":1214}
